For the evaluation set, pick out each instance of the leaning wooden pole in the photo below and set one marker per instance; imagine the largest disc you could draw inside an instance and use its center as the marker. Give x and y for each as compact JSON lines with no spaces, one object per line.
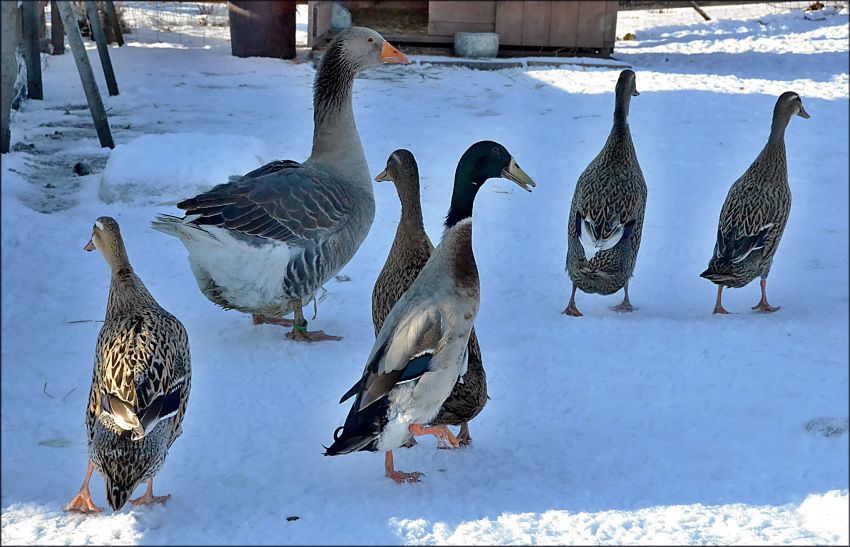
{"x":32,"y":50}
{"x":700,"y":11}
{"x":57,"y":33}
{"x":78,"y":49}
{"x":102,"y":48}
{"x":116,"y":24}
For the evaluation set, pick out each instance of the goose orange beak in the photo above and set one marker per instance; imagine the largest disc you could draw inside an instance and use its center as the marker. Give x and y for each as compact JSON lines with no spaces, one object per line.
{"x":390,"y":54}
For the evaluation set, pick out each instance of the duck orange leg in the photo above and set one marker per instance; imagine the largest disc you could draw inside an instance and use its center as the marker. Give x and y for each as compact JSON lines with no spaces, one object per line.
{"x":718,"y":307}
{"x":148,"y":498}
{"x":398,"y":476}
{"x":625,"y":306}
{"x":82,"y":502}
{"x":763,"y":306}
{"x":440,"y":431}
{"x":571,"y":309}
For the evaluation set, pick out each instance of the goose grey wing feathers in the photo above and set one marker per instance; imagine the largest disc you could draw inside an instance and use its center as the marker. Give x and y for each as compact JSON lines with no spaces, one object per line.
{"x":285,"y":200}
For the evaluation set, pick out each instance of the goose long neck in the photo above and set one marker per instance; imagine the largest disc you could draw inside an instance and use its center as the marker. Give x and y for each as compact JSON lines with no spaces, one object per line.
{"x":336,"y":142}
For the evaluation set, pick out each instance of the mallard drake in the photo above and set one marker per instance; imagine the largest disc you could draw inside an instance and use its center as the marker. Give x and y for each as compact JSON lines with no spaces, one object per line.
{"x":420,"y":351}
{"x":264,"y":243}
{"x":140,"y":386}
{"x":606,"y":215}
{"x":410,"y":251}
{"x":754,"y":214}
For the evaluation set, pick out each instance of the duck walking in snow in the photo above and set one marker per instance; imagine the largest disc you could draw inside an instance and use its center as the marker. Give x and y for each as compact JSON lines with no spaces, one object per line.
{"x":410,"y":251}
{"x":140,"y":386}
{"x":606,"y":215}
{"x":264,"y":243}
{"x":421,"y":348}
{"x":755,"y":212}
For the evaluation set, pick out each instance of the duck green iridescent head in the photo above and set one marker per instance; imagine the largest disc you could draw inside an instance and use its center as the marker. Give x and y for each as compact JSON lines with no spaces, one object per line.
{"x":482,"y":161}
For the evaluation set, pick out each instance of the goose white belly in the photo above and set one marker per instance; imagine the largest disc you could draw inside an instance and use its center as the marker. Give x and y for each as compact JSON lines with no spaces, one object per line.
{"x":249,"y":276}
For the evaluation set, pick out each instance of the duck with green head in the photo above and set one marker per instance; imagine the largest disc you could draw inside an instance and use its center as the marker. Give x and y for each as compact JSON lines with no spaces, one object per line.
{"x":421,"y":349}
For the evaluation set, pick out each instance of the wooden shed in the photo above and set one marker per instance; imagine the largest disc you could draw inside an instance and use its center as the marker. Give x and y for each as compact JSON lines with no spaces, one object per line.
{"x":525,"y":27}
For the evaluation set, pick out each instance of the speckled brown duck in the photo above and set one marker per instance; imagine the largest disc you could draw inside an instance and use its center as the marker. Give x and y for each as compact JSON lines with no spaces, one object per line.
{"x":755,"y":212}
{"x":606,"y":216}
{"x":140,"y":385}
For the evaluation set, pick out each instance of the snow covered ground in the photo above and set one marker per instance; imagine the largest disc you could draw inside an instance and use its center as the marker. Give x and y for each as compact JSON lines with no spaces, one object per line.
{"x":668,"y":425}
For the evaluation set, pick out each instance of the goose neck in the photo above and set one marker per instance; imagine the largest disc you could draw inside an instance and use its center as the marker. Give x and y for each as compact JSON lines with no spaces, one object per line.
{"x":336,"y":141}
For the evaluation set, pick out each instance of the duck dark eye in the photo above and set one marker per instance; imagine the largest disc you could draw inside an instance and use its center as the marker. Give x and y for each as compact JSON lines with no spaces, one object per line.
{"x":370,"y":40}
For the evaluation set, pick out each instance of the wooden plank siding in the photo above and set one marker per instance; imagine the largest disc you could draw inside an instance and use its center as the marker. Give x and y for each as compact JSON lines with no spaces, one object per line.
{"x":576,"y":25}
{"x":509,"y":15}
{"x":445,"y":18}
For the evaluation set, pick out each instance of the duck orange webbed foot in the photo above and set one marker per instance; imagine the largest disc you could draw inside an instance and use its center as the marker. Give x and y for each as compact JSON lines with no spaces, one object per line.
{"x":148,"y":498}
{"x":764,"y":307}
{"x":623,"y":307}
{"x":572,"y":311}
{"x":82,"y":503}
{"x":721,"y":310}
{"x":400,"y":477}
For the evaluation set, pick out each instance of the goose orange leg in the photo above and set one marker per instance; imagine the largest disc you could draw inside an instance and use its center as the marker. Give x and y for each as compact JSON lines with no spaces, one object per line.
{"x":148,"y":498}
{"x":299,"y":332}
{"x":571,"y":309}
{"x":398,"y":476}
{"x":763,"y":306}
{"x":264,"y":320}
{"x":718,"y":307}
{"x":82,"y":502}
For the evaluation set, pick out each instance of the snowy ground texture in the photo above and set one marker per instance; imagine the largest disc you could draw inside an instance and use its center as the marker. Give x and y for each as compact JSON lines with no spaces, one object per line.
{"x":668,"y":425}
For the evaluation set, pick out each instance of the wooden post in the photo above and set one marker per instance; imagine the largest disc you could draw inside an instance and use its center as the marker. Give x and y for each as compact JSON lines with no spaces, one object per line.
{"x":700,"y":11}
{"x":262,"y":28}
{"x":78,"y":49}
{"x":116,"y":23}
{"x":32,"y":51}
{"x":102,"y":50}
{"x":57,"y":33}
{"x":10,"y":39}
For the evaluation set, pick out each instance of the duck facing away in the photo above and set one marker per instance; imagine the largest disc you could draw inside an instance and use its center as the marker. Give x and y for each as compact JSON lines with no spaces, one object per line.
{"x":264,"y":243}
{"x":421,"y":348}
{"x":410,"y":251}
{"x":755,"y":212}
{"x":606,"y":216}
{"x":140,"y":386}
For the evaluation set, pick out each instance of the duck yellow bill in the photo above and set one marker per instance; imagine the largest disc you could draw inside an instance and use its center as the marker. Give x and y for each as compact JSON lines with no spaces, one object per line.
{"x":89,"y":246}
{"x":390,"y":54}
{"x":382,"y":176}
{"x":513,"y":173}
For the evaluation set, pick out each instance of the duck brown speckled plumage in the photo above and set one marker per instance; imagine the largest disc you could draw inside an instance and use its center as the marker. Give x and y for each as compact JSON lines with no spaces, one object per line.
{"x":410,"y":251}
{"x":755,"y":212}
{"x":140,"y":384}
{"x":606,"y":216}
